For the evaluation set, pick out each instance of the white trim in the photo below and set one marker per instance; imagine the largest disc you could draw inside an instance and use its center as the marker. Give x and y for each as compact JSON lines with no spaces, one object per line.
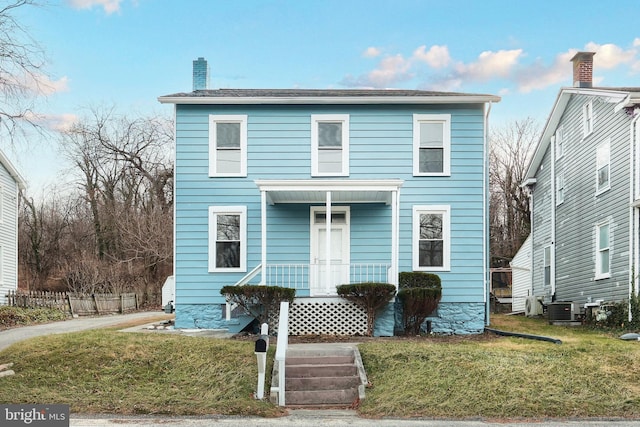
{"x":329,"y":185}
{"x":445,"y":210}
{"x":445,"y":119}
{"x":228,"y":210}
{"x":316,"y":119}
{"x":599,"y":274}
{"x":323,"y":100}
{"x":236,"y":118}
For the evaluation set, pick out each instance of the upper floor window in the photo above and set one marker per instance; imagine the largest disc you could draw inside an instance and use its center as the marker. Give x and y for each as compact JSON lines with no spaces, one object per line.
{"x":587,"y":118}
{"x":603,"y":172}
{"x":227,"y":238}
{"x":603,"y":265}
{"x":431,"y":144}
{"x":228,"y":145}
{"x":559,"y":143}
{"x":330,"y":145}
{"x":431,"y":238}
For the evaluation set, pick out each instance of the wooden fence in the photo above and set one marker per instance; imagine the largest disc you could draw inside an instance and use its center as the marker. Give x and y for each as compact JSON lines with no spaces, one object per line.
{"x":75,"y":304}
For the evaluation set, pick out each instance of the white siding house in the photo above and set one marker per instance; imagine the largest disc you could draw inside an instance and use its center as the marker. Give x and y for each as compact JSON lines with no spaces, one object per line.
{"x":11,"y":182}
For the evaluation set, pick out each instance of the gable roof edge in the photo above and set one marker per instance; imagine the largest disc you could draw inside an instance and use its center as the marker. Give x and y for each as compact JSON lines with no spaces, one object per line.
{"x":614,"y":96}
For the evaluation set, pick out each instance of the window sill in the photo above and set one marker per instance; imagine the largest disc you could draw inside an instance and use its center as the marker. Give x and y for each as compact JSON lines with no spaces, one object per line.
{"x":603,"y":276}
{"x":602,"y":191}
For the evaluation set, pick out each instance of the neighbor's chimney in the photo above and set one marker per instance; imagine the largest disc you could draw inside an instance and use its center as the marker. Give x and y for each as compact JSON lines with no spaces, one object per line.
{"x":583,"y":69}
{"x":200,"y":74}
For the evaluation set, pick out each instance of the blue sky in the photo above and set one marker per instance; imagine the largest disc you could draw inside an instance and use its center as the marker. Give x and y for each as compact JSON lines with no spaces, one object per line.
{"x":126,"y":53}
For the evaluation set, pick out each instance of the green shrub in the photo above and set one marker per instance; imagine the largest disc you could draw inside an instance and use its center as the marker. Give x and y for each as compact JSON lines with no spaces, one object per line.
{"x":371,"y":296}
{"x":418,"y":279}
{"x":262,"y":302}
{"x":419,"y":296}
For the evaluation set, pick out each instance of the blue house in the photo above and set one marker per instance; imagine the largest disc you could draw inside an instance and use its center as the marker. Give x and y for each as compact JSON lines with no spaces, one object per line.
{"x":310,"y":189}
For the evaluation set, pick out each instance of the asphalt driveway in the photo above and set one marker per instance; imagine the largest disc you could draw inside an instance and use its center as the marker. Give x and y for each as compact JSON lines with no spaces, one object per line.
{"x":14,"y":335}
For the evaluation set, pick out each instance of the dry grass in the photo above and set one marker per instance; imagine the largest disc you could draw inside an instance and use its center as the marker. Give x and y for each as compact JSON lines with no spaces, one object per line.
{"x":130,"y":373}
{"x":590,"y":374}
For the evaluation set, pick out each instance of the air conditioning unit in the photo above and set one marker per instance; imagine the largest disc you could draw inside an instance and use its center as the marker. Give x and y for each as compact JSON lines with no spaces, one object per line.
{"x":533,"y":306}
{"x":564,"y":311}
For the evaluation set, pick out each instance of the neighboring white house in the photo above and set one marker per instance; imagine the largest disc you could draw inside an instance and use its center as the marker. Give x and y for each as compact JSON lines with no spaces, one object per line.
{"x":521,"y":276}
{"x":11,"y":182}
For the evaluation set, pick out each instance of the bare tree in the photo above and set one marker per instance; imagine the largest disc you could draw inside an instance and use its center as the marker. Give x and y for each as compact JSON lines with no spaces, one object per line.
{"x":21,"y":68}
{"x":510,"y":218}
{"x":124,"y":173}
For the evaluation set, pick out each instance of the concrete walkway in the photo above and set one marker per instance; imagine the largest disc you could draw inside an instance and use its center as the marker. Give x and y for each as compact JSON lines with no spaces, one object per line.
{"x":14,"y":335}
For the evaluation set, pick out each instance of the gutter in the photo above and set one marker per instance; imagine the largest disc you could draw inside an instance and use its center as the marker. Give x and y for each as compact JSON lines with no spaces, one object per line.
{"x":314,"y":100}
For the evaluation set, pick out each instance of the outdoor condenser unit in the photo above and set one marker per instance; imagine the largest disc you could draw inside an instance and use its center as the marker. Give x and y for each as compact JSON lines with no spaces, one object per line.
{"x":560,"y":311}
{"x":533,"y":306}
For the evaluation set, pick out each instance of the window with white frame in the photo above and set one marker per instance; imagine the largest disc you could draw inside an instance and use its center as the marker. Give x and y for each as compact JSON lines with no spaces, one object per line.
{"x":330,"y":145}
{"x":227,"y":145}
{"x":603,"y":172}
{"x":603,"y":251}
{"x":547,"y":266}
{"x":431,"y":144}
{"x":431,"y":238}
{"x":559,"y":187}
{"x":227,"y":238}
{"x":587,"y":118}
{"x":559,"y":143}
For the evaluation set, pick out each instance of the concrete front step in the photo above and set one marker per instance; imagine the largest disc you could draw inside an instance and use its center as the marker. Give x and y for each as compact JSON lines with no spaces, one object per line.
{"x":321,"y":397}
{"x":320,"y":360}
{"x":322,"y":383}
{"x":309,"y":371}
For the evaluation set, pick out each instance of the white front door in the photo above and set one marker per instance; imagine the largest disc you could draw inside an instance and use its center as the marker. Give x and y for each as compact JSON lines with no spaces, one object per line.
{"x":324,"y":279}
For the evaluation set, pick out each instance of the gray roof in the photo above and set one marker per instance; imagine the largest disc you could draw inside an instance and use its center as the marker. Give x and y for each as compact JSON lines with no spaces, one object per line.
{"x":310,"y":96}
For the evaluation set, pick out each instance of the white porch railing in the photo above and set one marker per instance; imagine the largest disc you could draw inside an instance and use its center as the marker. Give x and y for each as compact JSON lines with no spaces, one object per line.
{"x":299,"y":276}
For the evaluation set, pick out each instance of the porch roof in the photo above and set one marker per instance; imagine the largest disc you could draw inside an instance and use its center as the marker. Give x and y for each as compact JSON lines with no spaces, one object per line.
{"x":342,"y":190}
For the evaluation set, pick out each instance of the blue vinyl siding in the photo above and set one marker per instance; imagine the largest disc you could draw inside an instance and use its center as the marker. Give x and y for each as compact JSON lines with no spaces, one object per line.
{"x":381,"y":147}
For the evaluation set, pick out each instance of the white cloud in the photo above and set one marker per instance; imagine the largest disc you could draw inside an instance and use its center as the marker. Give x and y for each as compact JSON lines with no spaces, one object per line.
{"x":436,"y":56}
{"x":609,"y":55}
{"x":38,"y":84}
{"x":438,"y":70}
{"x":371,"y":52}
{"x":109,"y":6}
{"x":391,"y":70}
{"x":55,"y":122}
{"x":538,"y":76}
{"x":490,"y":65}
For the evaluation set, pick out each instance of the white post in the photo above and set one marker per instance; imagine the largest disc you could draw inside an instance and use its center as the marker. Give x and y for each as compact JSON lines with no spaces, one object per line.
{"x":262,"y":344}
{"x":327,"y":251}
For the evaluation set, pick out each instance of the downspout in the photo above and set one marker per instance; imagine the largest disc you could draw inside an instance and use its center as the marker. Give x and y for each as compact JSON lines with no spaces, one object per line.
{"x":633,"y":225}
{"x":553,"y":217}
{"x":395,"y":204}
{"x":485,"y":218}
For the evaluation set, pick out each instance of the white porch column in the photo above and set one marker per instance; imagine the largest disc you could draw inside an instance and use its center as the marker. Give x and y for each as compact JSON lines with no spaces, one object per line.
{"x":263,"y":234}
{"x":395,"y":236}
{"x":327,"y":251}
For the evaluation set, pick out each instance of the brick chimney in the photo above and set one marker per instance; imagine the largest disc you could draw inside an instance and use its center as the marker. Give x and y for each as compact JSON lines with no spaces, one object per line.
{"x":200,"y":74}
{"x":583,"y":69}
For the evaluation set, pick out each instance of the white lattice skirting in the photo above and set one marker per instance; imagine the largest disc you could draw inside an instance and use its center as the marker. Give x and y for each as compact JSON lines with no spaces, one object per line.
{"x":326,"y":316}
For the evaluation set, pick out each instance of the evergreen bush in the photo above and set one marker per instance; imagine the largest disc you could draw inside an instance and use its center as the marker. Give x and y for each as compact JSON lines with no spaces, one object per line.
{"x":371,"y":296}
{"x":419,"y":296}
